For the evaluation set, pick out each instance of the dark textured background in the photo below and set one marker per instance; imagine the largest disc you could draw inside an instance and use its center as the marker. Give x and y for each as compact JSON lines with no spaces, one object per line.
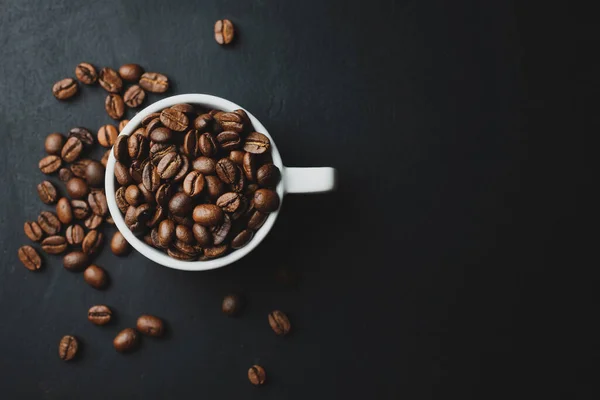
{"x":424,"y":276}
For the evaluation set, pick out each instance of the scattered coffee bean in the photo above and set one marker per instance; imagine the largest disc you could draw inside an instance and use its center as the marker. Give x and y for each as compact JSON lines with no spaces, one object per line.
{"x":78,"y":167}
{"x":107,"y":135}
{"x":65,"y":89}
{"x":80,"y":209}
{"x":50,"y":164}
{"x":30,"y":258}
{"x":77,"y":188}
{"x":92,"y":242}
{"x":150,"y":325}
{"x":126,"y":340}
{"x":114,"y":106}
{"x":33,"y":231}
{"x":67,"y":348}
{"x":110,"y":80}
{"x":257,"y":375}
{"x":94,"y":174}
{"x":99,"y":315}
{"x":131,"y":72}
{"x":93,"y":221}
{"x":231,"y":304}
{"x":118,"y":245}
{"x":279,"y":322}
{"x":154,"y":82}
{"x":75,"y":261}
{"x":134,"y":96}
{"x":71,"y":150}
{"x":83,"y":135}
{"x":54,"y":143}
{"x":86,"y":73}
{"x":97,"y":203}
{"x":63,"y":211}
{"x":54,"y":244}
{"x":49,"y":223}
{"x":64,"y":174}
{"x":47,"y":192}
{"x":224,"y":31}
{"x":74,"y":235}
{"x":95,"y":276}
{"x":123,"y":123}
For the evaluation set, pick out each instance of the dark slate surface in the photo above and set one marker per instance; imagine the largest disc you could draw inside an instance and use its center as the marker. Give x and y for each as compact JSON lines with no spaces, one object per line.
{"x":415,"y":277}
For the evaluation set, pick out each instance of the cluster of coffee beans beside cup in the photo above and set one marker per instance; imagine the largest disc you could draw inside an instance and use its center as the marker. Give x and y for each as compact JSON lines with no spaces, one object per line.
{"x":195,"y":183}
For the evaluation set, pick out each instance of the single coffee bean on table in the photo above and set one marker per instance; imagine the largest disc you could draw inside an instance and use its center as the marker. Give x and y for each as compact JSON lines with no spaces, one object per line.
{"x":93,"y":221}
{"x":231,"y":305}
{"x":78,"y":167}
{"x":131,"y":72}
{"x":50,"y":164}
{"x":150,"y":325}
{"x":126,"y":340}
{"x":54,"y":244}
{"x":74,"y":235}
{"x":110,"y":80}
{"x":75,"y":261}
{"x":119,"y":245}
{"x":107,"y":135}
{"x":47,"y":192}
{"x":81,"y":209}
{"x":54,"y":143}
{"x":224,"y":31}
{"x":86,"y":73}
{"x":94,"y":174}
{"x":30,"y":258}
{"x":68,"y":347}
{"x":257,"y":375}
{"x":279,"y":322}
{"x":49,"y":222}
{"x":114,"y":106}
{"x":92,"y":242}
{"x":64,"y":174}
{"x":71,"y":150}
{"x":64,"y":213}
{"x":33,"y":231}
{"x":99,"y":315}
{"x":97,"y":203}
{"x":154,"y":82}
{"x":65,"y":89}
{"x":134,"y":96}
{"x":95,"y":276}
{"x":83,"y":135}
{"x":77,"y":188}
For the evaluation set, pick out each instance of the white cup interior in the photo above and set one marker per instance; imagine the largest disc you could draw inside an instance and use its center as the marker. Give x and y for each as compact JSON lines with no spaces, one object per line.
{"x":209,"y":102}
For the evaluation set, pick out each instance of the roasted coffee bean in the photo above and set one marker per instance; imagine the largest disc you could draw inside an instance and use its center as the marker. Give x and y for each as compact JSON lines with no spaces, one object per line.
{"x":33,"y":231}
{"x":133,"y":195}
{"x":95,"y":276}
{"x":243,"y":114}
{"x":204,"y":165}
{"x":221,"y":231}
{"x":180,"y":204}
{"x":131,"y":72}
{"x":126,"y":340}
{"x":193,"y":184}
{"x":183,"y":170}
{"x":80,"y":209}
{"x":150,"y":325}
{"x":279,"y":322}
{"x":231,"y":305}
{"x":179,"y":255}
{"x":67,"y":348}
{"x":237,"y":156}
{"x":78,"y":167}
{"x":266,"y":200}
{"x":77,"y":188}
{"x":92,"y":242}
{"x":224,"y":31}
{"x":155,"y":123}
{"x":161,"y":134}
{"x":30,"y":258}
{"x":154,"y":239}
{"x":208,"y":214}
{"x":229,"y":202}
{"x":74,"y":235}
{"x":159,"y":150}
{"x":159,"y":215}
{"x":118,"y":245}
{"x":227,"y":171}
{"x":49,"y":223}
{"x":110,"y":80}
{"x":124,"y":123}
{"x":65,"y":89}
{"x":150,"y":177}
{"x":257,"y":143}
{"x":134,"y":96}
{"x":83,"y":135}
{"x":229,"y":140}
{"x":268,"y":175}
{"x":107,"y":135}
{"x":147,"y":195}
{"x":146,"y":120}
{"x":63,"y":211}
{"x":86,"y":73}
{"x":203,"y":122}
{"x":138,"y":147}
{"x":187,"y":220}
{"x":184,"y":234}
{"x":257,"y":375}
{"x":229,"y":121}
{"x":54,"y":244}
{"x":184,"y":108}
{"x":186,"y":249}
{"x":94,"y":174}
{"x":240,"y":184}
{"x":122,"y":174}
{"x":242,"y":209}
{"x":169,"y":165}
{"x":121,"y":149}
{"x":203,"y":235}
{"x":154,"y":82}
{"x":214,"y":252}
{"x":93,"y":221}
{"x":163,"y":194}
{"x":242,"y":239}
{"x":47,"y":192}
{"x":257,"y":220}
{"x":207,"y":144}
{"x":121,"y":199}
{"x":75,"y":261}
{"x":214,"y":187}
{"x":190,"y":143}
{"x":174,"y":119}
{"x":64,"y":174}
{"x":99,"y":315}
{"x":54,"y":143}
{"x":49,"y":164}
{"x":114,"y":106}
{"x":143,"y":213}
{"x":249,"y":166}
{"x":136,"y":169}
{"x":71,"y":150}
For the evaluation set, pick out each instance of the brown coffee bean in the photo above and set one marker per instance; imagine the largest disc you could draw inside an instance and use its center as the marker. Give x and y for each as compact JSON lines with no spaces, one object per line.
{"x":124,"y":123}
{"x":110,"y":80}
{"x":49,"y":164}
{"x":193,"y":184}
{"x":142,"y":215}
{"x":63,"y":211}
{"x":49,"y":223}
{"x":214,"y":252}
{"x":169,"y":165}
{"x":237,"y":156}
{"x":203,"y":122}
{"x":257,"y":375}
{"x":47,"y":192}
{"x":92,"y":242}
{"x":184,"y":108}
{"x":134,"y":96}
{"x":94,"y":174}
{"x":161,"y":134}
{"x":185,"y":167}
{"x":231,"y":305}
{"x":150,"y":325}
{"x":229,"y":202}
{"x":64,"y":174}
{"x":75,"y":261}
{"x":54,"y":244}
{"x":107,"y":135}
{"x":257,"y":220}
{"x":78,"y":167}
{"x":279,"y":322}
{"x":268,"y":175}
{"x":190,"y":143}
{"x":185,"y":251}
{"x":146,"y":120}
{"x":122,"y":174}
{"x":136,"y":169}
{"x":121,"y":199}
{"x":67,"y":348}
{"x":229,"y":140}
{"x":99,"y":315}
{"x":266,"y":200}
{"x":175,"y":120}
{"x":33,"y":231}
{"x":80,"y":209}
{"x":208,"y":214}
{"x":249,"y":166}
{"x":126,"y":340}
{"x":227,"y":171}
{"x":244,"y":115}
{"x":65,"y":89}
{"x":133,"y":195}
{"x":159,"y":150}
{"x":204,"y":165}
{"x":138,"y":147}
{"x":163,"y":194}
{"x":240,"y":184}
{"x":30,"y":258}
{"x":95,"y":276}
{"x":180,"y":204}
{"x":118,"y":245}
{"x":74,"y":235}
{"x":121,"y":149}
{"x":114,"y":106}
{"x":93,"y":221}
{"x":214,"y":187}
{"x":149,"y":197}
{"x":242,"y":239}
{"x":257,"y":143}
{"x":154,"y":82}
{"x":184,"y":234}
{"x":207,"y":144}
{"x":229,"y":121}
{"x":131,"y":72}
{"x":54,"y":143}
{"x":159,"y":215}
{"x":221,"y":231}
{"x":77,"y":188}
{"x":86,"y":73}
{"x":71,"y":150}
{"x":83,"y":135}
{"x":224,"y":31}
{"x":203,"y":235}
{"x":150,"y":178}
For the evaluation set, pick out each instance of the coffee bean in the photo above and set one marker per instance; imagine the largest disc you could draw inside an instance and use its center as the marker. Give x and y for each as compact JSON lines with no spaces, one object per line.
{"x":249,"y":166}
{"x":182,"y":251}
{"x":237,"y":156}
{"x":121,"y":149}
{"x":214,"y":252}
{"x":30,"y":258}
{"x":208,"y":214}
{"x":49,"y":164}
{"x":227,"y":171}
{"x":163,"y":194}
{"x":74,"y":235}
{"x":229,"y":121}
{"x":257,"y":375}
{"x":75,"y":261}
{"x":240,"y":184}
{"x":257,"y":143}
{"x":268,"y":175}
{"x":80,"y":209}
{"x":83,"y":135}
{"x":244,"y":115}
{"x":214,"y":187}
{"x":154,"y":242}
{"x":138,"y":147}
{"x":92,"y":242}
{"x":183,"y":170}
{"x":159,"y":215}
{"x":63,"y":211}
{"x":64,"y":174}
{"x":190,"y":143}
{"x":47,"y":192}
{"x":193,"y":184}
{"x":184,"y":234}
{"x":65,"y":89}
{"x":54,"y":244}
{"x":150,"y":325}
{"x":54,"y":143}
{"x":202,"y":235}
{"x":93,"y":221}
{"x":279,"y":322}
{"x":107,"y":135}
{"x":126,"y":340}
{"x":242,"y":239}
{"x":33,"y":231}
{"x":122,"y":174}
{"x":169,"y":165}
{"x":221,"y":231}
{"x":204,"y":165}
{"x":67,"y":348}
{"x":161,"y":134}
{"x":224,"y":31}
{"x":133,"y":195}
{"x":121,"y":199}
{"x":242,"y":209}
{"x":147,"y":195}
{"x":184,"y":108}
{"x":166,"y":232}
{"x":159,"y":150}
{"x":110,"y":80}
{"x":266,"y":200}
{"x":118,"y":245}
{"x":94,"y":174}
{"x":207,"y":144}
{"x":95,"y":276}
{"x":71,"y":150}
{"x":99,"y":315}
{"x":77,"y":188}
{"x":86,"y":73}
{"x":229,"y":202}
{"x":180,"y":204}
{"x":154,"y":82}
{"x":141,"y":216}
{"x":124,"y":123}
{"x":257,"y":220}
{"x":114,"y":106}
{"x":131,"y":72}
{"x":203,"y":122}
{"x":134,"y":96}
{"x":79,"y":167}
{"x":229,"y":140}
{"x":231,"y":305}
{"x":49,"y":223}
{"x":175,"y":120}
{"x":146,"y":120}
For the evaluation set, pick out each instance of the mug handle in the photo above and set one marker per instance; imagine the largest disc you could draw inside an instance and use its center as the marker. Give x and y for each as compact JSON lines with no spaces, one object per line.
{"x":309,"y":180}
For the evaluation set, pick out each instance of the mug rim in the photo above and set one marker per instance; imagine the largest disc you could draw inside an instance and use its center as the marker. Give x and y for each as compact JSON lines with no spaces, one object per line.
{"x":210,"y":102}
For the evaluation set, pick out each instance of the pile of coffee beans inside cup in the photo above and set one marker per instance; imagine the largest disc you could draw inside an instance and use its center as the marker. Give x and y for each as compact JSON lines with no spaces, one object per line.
{"x":195,"y":183}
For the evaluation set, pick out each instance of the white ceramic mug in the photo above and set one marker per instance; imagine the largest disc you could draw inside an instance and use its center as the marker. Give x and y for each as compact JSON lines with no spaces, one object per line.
{"x":293,"y":180}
